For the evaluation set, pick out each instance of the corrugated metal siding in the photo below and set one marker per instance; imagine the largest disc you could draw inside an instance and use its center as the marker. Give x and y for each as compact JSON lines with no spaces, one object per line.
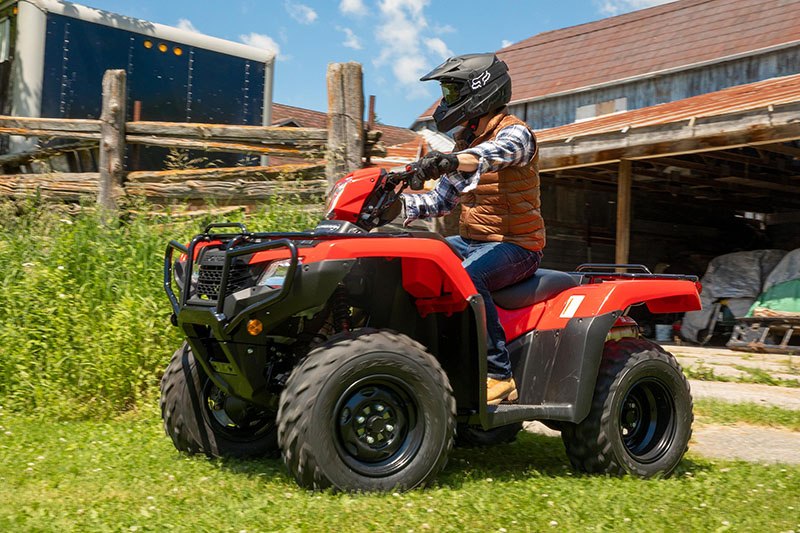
{"x":561,"y":110}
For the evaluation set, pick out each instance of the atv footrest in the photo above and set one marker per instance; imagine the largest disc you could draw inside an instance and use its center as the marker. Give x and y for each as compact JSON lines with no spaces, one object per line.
{"x":500,"y":415}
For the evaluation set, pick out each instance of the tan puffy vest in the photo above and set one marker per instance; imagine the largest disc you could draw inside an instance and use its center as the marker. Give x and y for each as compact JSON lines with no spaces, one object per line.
{"x":505,"y":205}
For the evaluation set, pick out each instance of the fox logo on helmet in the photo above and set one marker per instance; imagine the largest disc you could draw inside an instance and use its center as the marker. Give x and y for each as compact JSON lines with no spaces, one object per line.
{"x":481,"y":80}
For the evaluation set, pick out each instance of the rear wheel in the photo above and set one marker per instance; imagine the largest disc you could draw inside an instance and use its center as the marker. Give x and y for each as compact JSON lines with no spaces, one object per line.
{"x":367,"y":411}
{"x":641,"y":417}
{"x":201,"y":418}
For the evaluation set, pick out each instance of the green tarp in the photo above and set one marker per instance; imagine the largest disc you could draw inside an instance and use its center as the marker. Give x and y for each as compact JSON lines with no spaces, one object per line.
{"x":783,"y":297}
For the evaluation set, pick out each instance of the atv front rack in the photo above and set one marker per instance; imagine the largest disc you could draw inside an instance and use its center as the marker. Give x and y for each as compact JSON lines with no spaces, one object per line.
{"x":232,"y":243}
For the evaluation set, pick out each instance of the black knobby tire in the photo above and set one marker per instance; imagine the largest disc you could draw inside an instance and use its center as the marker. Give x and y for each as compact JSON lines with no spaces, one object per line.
{"x":641,"y":417}
{"x":467,"y":435}
{"x":195,"y":416}
{"x":367,"y":411}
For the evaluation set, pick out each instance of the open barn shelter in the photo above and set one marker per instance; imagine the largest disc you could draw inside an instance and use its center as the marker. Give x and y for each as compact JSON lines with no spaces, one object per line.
{"x":668,"y":135}
{"x":677,"y":183}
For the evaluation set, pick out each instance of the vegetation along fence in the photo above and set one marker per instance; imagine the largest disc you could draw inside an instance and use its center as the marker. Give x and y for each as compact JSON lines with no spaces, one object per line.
{"x":317,"y":156}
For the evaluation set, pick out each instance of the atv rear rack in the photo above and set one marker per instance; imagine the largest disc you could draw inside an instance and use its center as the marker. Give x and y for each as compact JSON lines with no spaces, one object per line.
{"x":599,"y":272}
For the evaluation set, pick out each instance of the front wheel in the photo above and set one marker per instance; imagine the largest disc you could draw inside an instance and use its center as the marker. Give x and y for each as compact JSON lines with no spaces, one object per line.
{"x":369,"y":411}
{"x":641,"y":417}
{"x":201,"y":418}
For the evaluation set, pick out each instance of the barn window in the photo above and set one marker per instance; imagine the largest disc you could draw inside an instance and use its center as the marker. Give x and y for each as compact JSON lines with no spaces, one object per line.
{"x":585,"y":112}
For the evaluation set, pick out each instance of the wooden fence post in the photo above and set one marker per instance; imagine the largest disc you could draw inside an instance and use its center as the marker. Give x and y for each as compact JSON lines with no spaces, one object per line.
{"x":345,"y":120}
{"x":112,"y":139}
{"x":624,"y":183}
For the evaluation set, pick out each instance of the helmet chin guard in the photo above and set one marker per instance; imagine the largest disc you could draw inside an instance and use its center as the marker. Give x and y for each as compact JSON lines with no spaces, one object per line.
{"x":473,"y":85}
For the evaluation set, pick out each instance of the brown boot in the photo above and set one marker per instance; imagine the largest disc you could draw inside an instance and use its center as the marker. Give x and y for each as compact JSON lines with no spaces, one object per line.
{"x":499,"y":390}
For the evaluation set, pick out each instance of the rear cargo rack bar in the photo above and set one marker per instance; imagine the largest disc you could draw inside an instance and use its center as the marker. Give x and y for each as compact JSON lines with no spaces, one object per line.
{"x":590,"y":272}
{"x":610,"y":267}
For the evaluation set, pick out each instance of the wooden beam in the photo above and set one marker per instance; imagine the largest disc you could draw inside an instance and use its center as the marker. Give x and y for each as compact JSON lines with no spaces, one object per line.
{"x":227,"y":190}
{"x":219,"y":132}
{"x":65,"y":187}
{"x":112,"y":140}
{"x":624,"y":183}
{"x":23,"y":157}
{"x":56,"y":125}
{"x":275,"y":173}
{"x":227,"y":146}
{"x":781,"y":149}
{"x":747,"y":128}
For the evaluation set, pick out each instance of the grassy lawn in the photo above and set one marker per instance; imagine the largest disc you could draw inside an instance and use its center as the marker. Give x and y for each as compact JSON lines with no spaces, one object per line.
{"x":720,"y":412}
{"x":124,"y":475}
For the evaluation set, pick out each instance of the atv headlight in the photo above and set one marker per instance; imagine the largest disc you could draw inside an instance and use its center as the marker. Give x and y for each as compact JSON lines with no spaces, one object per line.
{"x":333,"y":198}
{"x":275,"y":274}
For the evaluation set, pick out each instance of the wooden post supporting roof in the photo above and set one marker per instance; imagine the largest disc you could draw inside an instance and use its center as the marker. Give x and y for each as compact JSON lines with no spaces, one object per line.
{"x":624,"y":182}
{"x":112,"y":139}
{"x":345,"y":119}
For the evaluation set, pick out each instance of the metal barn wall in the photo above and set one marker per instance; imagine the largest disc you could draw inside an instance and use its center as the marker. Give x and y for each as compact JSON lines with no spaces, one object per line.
{"x":560,"y":110}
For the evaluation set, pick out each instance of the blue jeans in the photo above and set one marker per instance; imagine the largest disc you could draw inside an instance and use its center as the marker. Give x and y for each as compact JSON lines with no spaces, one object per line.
{"x":492,"y":266}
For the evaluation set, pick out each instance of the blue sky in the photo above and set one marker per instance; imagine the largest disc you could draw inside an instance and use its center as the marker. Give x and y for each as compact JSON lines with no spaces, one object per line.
{"x":396,"y":41}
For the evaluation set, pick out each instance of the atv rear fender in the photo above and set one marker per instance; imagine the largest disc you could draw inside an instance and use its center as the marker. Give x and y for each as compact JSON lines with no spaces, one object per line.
{"x":594,"y":299}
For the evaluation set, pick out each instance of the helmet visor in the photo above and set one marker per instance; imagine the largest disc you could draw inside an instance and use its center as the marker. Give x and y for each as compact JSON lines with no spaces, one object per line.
{"x":451,"y":92}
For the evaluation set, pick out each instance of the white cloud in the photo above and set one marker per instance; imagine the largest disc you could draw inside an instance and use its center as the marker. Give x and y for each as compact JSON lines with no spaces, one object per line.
{"x":616,"y":7}
{"x":438,"y":47}
{"x":186,"y":24}
{"x":408,"y":46}
{"x":447,"y":28}
{"x":301,"y":12}
{"x":506,"y":43}
{"x":351,"y":39}
{"x":259,"y":40}
{"x":353,"y":7}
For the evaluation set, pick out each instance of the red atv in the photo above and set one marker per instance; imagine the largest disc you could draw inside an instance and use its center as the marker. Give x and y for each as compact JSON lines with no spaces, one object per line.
{"x":362,"y":356}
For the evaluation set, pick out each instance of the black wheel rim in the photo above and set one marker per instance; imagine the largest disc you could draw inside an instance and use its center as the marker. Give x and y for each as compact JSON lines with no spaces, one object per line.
{"x":377,"y":426}
{"x":233,"y":418}
{"x":647,"y":420}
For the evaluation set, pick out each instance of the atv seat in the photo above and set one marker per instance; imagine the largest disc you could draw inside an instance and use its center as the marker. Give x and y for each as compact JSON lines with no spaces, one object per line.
{"x":543,"y":285}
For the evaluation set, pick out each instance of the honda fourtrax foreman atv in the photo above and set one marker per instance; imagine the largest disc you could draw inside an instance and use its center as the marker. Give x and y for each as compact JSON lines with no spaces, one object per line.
{"x":361,"y":356}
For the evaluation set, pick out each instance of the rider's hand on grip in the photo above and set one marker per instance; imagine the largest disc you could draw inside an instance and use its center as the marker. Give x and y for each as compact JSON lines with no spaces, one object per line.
{"x":431,"y":166}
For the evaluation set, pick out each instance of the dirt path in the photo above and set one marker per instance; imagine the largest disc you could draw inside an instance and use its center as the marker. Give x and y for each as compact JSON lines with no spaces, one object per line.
{"x":747,"y":443}
{"x":783,"y":397}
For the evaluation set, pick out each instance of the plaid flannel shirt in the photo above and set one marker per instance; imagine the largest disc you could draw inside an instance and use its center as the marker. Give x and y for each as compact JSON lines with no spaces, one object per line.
{"x":513,"y":146}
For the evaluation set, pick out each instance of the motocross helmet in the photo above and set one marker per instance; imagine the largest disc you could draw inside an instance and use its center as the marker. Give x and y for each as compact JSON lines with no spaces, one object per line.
{"x":472,"y":86}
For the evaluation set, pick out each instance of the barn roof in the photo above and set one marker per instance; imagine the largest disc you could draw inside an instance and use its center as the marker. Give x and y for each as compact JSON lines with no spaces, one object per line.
{"x":669,"y":37}
{"x":758,"y":113}
{"x":762,"y":94}
{"x":307,"y":118}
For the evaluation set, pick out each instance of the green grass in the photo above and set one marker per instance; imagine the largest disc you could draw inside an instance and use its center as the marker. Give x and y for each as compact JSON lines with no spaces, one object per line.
{"x":84,"y":321}
{"x":720,"y":412}
{"x":124,"y":475}
{"x":749,"y":375}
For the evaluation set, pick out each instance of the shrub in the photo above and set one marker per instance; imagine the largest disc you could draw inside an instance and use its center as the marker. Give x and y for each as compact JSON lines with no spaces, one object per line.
{"x":84,"y":322}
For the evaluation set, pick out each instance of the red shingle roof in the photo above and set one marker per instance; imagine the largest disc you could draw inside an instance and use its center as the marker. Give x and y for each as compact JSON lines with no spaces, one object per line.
{"x":762,"y":94}
{"x":669,"y":36}
{"x":307,"y":118}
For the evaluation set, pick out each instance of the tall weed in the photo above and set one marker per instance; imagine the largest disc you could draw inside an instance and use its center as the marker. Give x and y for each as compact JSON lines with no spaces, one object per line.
{"x":84,"y":322}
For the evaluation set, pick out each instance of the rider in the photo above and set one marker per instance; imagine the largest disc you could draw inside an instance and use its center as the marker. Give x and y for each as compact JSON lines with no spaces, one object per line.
{"x":494,"y":175}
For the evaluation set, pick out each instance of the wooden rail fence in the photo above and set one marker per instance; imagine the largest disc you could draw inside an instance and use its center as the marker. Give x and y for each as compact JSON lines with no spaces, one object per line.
{"x":342,"y":145}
